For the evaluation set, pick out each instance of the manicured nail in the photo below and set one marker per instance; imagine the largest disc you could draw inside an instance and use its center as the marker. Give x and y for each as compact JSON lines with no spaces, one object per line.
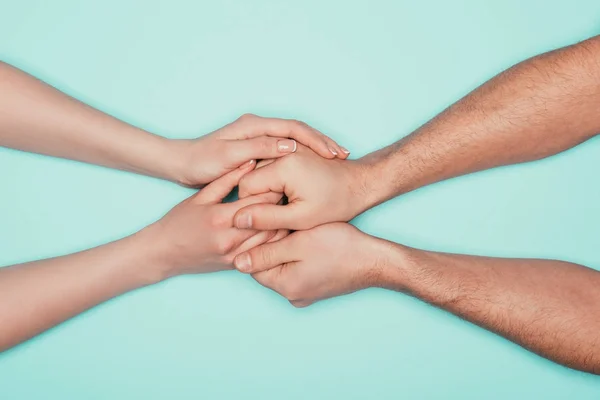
{"x":243,"y":262}
{"x":332,"y":150}
{"x":247,"y":164}
{"x":345,"y":150}
{"x":287,"y":146}
{"x":243,"y":221}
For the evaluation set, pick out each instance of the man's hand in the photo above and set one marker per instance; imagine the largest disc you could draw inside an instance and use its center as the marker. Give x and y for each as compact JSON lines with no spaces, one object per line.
{"x":198,"y":236}
{"x":307,"y":266}
{"x":250,"y":137}
{"x":318,"y":191}
{"x":547,"y":306}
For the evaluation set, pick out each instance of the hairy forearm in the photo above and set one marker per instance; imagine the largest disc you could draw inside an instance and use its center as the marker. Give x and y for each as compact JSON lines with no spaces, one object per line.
{"x":39,"y":295}
{"x":549,"y":307}
{"x":37,"y":118}
{"x":538,"y":108}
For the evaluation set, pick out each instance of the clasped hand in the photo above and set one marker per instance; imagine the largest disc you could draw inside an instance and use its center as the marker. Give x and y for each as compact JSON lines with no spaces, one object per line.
{"x":323,"y":192}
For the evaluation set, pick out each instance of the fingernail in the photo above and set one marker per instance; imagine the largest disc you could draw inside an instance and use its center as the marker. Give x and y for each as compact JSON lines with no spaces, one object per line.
{"x":332,"y":150}
{"x":287,"y":146}
{"x":247,"y":164}
{"x":243,"y":221}
{"x":345,"y":150}
{"x":243,"y":262}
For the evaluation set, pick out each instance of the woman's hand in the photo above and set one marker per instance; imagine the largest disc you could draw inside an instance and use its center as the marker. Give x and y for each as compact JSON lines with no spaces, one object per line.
{"x":250,"y":137}
{"x":198,"y":236}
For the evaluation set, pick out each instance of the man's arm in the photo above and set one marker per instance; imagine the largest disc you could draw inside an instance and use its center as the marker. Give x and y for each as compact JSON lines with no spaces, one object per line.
{"x":37,"y":118}
{"x":194,"y":237}
{"x":538,"y":108}
{"x":547,"y":306}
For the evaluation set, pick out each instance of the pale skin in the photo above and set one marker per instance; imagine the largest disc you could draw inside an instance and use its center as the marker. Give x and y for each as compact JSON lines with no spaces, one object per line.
{"x":538,"y":108}
{"x":35,"y":117}
{"x":197,"y":236}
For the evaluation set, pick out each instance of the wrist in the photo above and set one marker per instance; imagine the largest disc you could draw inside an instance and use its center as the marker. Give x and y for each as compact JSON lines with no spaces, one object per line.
{"x":389,"y":268}
{"x":178,"y":162}
{"x":149,"y":154}
{"x":153,"y":264}
{"x":370,"y":183}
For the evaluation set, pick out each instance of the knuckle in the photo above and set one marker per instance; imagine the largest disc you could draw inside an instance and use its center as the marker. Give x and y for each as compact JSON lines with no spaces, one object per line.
{"x":223,"y":245}
{"x":267,"y":144}
{"x":260,"y":259}
{"x":268,"y":217}
{"x":296,"y":123}
{"x":247,"y":118}
{"x":294,"y":126}
{"x":266,"y":257}
{"x":217,"y":220}
{"x":271,"y":197}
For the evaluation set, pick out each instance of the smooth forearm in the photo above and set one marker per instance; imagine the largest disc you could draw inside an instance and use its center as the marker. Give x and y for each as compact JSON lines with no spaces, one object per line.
{"x":538,"y":108}
{"x":39,"y":295}
{"x":550,"y":307}
{"x":37,"y":118}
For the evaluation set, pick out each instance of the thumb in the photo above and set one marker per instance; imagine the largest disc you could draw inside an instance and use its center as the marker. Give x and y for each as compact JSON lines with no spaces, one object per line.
{"x":268,"y":217}
{"x":265,"y":256}
{"x":218,"y":189}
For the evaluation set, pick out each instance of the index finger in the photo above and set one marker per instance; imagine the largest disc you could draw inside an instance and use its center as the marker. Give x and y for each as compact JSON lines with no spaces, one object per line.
{"x":218,"y":189}
{"x":263,"y":198}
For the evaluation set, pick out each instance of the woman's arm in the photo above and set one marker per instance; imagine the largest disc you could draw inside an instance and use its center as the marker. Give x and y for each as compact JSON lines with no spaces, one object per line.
{"x":194,"y":237}
{"x":36,"y":117}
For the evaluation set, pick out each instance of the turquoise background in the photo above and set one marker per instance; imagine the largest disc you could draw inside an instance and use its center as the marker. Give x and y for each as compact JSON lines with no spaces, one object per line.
{"x":364,"y":72}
